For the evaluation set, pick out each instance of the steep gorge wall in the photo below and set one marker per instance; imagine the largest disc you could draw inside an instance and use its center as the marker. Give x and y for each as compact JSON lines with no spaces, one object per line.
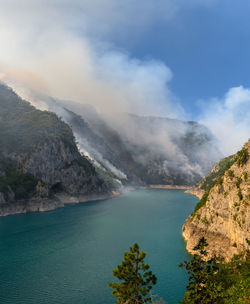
{"x":40,"y":165}
{"x":223,"y":214}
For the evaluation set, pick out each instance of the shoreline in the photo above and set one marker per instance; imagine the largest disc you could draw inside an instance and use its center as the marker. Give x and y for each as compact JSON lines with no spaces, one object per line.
{"x":172,"y":187}
{"x":196,"y":192}
{"x":43,"y":205}
{"x":62,"y":200}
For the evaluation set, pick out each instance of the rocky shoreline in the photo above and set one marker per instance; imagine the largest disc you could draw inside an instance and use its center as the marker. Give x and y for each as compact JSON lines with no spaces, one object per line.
{"x":42,"y":205}
{"x":60,"y":201}
{"x":196,"y":192}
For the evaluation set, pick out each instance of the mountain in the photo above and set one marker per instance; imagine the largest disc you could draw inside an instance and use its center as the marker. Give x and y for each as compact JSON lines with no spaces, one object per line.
{"x":208,"y":181}
{"x":223,"y":215}
{"x":53,"y":156}
{"x":138,"y":150}
{"x":40,"y":165}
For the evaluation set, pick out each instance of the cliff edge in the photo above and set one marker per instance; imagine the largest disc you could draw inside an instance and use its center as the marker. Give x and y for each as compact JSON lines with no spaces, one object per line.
{"x":223,"y":215}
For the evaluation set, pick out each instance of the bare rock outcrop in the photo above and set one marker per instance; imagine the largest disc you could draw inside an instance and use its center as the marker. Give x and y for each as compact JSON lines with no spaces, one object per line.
{"x":223,"y":214}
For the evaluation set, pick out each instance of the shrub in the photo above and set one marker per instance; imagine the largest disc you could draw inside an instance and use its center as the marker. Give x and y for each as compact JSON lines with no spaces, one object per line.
{"x":240,"y":195}
{"x":202,"y":202}
{"x":230,"y":173}
{"x":238,"y":182}
{"x":242,"y":157}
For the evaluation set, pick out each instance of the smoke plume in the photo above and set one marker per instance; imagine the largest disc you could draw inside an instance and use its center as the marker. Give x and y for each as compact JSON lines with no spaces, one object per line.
{"x":64,"y":49}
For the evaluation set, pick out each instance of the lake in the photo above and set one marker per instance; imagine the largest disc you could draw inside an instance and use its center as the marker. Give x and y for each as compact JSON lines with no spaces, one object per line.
{"x":67,"y":255}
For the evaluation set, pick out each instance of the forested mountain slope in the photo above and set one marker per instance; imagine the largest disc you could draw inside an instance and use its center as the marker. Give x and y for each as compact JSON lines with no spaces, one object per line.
{"x":139,"y":150}
{"x":40,"y":165}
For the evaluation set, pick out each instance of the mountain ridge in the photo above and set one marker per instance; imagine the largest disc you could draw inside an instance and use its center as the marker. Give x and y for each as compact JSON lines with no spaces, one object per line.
{"x":143,"y":150}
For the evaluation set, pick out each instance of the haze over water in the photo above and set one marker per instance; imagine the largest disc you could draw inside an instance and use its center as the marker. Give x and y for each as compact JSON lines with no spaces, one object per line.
{"x":67,"y":255}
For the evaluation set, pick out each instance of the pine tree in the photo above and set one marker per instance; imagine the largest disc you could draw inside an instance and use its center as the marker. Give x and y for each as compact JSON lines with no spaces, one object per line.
{"x":137,"y":279}
{"x":202,"y":287}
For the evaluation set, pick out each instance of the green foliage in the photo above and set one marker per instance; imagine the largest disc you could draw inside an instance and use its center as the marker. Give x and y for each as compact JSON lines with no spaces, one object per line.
{"x":22,"y":184}
{"x":240,"y":195}
{"x":137,"y":279}
{"x":242,"y":157}
{"x":238,"y":182}
{"x":213,"y":282}
{"x":235,"y":278}
{"x":202,"y":202}
{"x":236,"y":204}
{"x":201,"y":287}
{"x":22,"y":127}
{"x":204,"y":220}
{"x":214,"y":177}
{"x":221,"y":167}
{"x":230,"y":173}
{"x":245,"y":176}
{"x":219,"y":181}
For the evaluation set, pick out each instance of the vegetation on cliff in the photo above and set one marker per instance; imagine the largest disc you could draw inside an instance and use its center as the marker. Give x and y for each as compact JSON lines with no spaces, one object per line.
{"x":13,"y":182}
{"x":217,"y":172}
{"x":23,"y":127}
{"x":223,"y":213}
{"x":215,"y":177}
{"x":39,"y":158}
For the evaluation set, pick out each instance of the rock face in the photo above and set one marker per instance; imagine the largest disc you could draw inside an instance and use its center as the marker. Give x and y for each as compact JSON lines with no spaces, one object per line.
{"x":40,"y":165}
{"x":139,"y":150}
{"x":217,"y":171}
{"x":223,"y":214}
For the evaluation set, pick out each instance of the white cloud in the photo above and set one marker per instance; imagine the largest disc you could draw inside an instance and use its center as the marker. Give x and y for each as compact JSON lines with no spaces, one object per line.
{"x":46,"y":45}
{"x":229,"y":118}
{"x":59,"y":47}
{"x":236,"y":97}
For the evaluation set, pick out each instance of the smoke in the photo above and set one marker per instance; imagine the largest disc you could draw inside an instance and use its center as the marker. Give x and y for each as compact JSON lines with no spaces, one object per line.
{"x":229,"y":118}
{"x":64,"y":49}
{"x":96,"y":157}
{"x":58,"y":48}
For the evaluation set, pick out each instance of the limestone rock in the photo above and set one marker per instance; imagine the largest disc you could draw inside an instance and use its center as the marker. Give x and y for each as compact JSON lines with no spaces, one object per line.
{"x":224,"y":220}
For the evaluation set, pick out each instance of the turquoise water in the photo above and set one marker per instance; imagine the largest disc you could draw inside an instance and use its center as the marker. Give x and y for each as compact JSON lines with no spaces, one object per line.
{"x":67,"y":255}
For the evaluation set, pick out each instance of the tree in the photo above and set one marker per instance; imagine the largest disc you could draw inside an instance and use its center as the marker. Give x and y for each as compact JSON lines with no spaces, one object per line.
{"x":137,"y":279}
{"x":203,"y":286}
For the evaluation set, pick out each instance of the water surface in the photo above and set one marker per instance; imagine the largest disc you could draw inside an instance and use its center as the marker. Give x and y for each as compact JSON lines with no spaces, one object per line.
{"x":67,"y":255}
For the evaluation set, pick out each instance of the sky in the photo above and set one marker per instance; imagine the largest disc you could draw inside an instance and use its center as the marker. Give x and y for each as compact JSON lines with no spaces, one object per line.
{"x":176,"y":58}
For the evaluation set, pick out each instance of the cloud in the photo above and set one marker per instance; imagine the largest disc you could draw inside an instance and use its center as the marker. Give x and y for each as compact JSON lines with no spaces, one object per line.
{"x":97,"y":17}
{"x":47,"y":46}
{"x":229,"y":118}
{"x":65,"y":49}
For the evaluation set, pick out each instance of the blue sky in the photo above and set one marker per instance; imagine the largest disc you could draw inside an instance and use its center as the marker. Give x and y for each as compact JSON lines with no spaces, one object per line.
{"x":206,"y":47}
{"x":185,"y":59}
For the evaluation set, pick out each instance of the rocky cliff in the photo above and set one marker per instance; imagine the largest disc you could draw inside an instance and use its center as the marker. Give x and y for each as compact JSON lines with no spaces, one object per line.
{"x":138,"y":150}
{"x":40,"y":165}
{"x":223,"y":214}
{"x":207,"y":182}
